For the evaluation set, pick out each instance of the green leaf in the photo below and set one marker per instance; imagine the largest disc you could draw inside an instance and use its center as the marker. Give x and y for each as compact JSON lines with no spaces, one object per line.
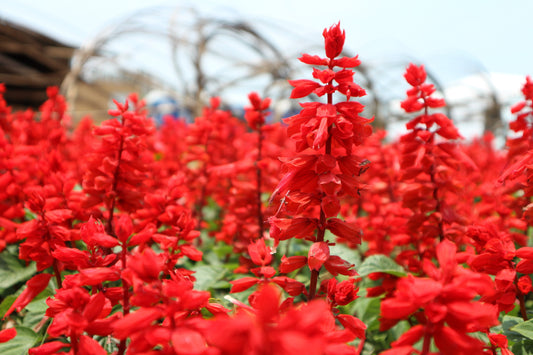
{"x":345,"y":252}
{"x":380,"y":263}
{"x":509,"y":322}
{"x":208,"y":277}
{"x":29,"y":215}
{"x":20,"y":344}
{"x":524,"y":347}
{"x":12,"y":271}
{"x":39,"y":302}
{"x":524,"y":328}
{"x":36,"y":310}
{"x":6,"y":303}
{"x":367,"y":309}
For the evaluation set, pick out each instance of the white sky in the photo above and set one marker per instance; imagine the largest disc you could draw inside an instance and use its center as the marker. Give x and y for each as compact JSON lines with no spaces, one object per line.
{"x":495,"y":33}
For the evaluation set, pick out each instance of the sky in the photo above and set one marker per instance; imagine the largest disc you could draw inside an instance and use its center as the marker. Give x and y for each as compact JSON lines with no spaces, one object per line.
{"x":494,"y":35}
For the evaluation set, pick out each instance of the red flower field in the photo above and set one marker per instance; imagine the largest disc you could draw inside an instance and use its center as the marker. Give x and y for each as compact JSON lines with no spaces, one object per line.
{"x":232,"y":235}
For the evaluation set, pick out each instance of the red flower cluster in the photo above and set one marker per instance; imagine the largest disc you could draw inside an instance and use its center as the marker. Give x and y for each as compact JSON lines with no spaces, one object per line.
{"x":430,"y":162}
{"x":132,"y":239}
{"x":273,"y":328}
{"x":444,"y":306}
{"x":251,"y":177}
{"x":116,"y":169}
{"x":324,"y":169}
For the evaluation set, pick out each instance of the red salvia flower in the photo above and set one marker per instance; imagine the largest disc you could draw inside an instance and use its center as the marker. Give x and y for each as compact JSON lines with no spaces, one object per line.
{"x":261,"y":256}
{"x":322,"y":171}
{"x":268,"y":328}
{"x":430,"y":162}
{"x":116,"y":169}
{"x":444,"y":303}
{"x":255,"y":172}
{"x":523,"y":123}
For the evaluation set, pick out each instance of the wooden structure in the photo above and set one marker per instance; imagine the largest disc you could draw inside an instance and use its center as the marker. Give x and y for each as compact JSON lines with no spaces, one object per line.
{"x":29,"y":63}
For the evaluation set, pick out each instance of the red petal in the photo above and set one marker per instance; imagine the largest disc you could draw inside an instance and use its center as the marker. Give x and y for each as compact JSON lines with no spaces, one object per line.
{"x":35,"y":285}
{"x":355,"y":325}
{"x":255,"y":100}
{"x":59,"y":216}
{"x":259,"y":252}
{"x":334,"y":40}
{"x":318,"y":254}
{"x":292,"y":263}
{"x":415,"y":75}
{"x":124,"y":228}
{"x":450,"y":341}
{"x":302,"y":88}
{"x":331,"y":206}
{"x":48,"y":348}
{"x":518,"y":107}
{"x":525,"y":266}
{"x":94,"y":307}
{"x":347,"y":62}
{"x":132,"y":322}
{"x":267,"y":303}
{"x":446,"y":251}
{"x":321,"y":134}
{"x":103,"y":240}
{"x":243,"y":284}
{"x":344,"y":230}
{"x":188,"y":341}
{"x":410,"y":337}
{"x":337,"y":265}
{"x":79,"y":257}
{"x":96,"y":275}
{"x":300,"y":227}
{"x":191,"y":252}
{"x":7,"y":334}
{"x":313,"y":60}
{"x":291,"y":286}
{"x":525,"y":253}
{"x":88,"y":345}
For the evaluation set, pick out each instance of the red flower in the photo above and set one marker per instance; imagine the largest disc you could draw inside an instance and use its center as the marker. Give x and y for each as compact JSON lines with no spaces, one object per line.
{"x":34,"y":286}
{"x":7,"y":334}
{"x":500,"y":341}
{"x":117,"y":167}
{"x":444,"y":303}
{"x":255,"y":115}
{"x":50,"y":348}
{"x":261,"y":255}
{"x":291,"y":263}
{"x":318,"y":255}
{"x":324,"y":169}
{"x":136,"y":321}
{"x":270,"y":328}
{"x":334,"y":40}
{"x":341,"y":293}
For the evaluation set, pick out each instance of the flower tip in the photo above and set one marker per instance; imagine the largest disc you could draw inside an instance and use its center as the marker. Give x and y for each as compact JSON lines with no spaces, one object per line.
{"x":334,"y":40}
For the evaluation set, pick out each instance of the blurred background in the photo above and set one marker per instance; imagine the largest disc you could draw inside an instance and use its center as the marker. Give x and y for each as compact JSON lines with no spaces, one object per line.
{"x":177,"y":54}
